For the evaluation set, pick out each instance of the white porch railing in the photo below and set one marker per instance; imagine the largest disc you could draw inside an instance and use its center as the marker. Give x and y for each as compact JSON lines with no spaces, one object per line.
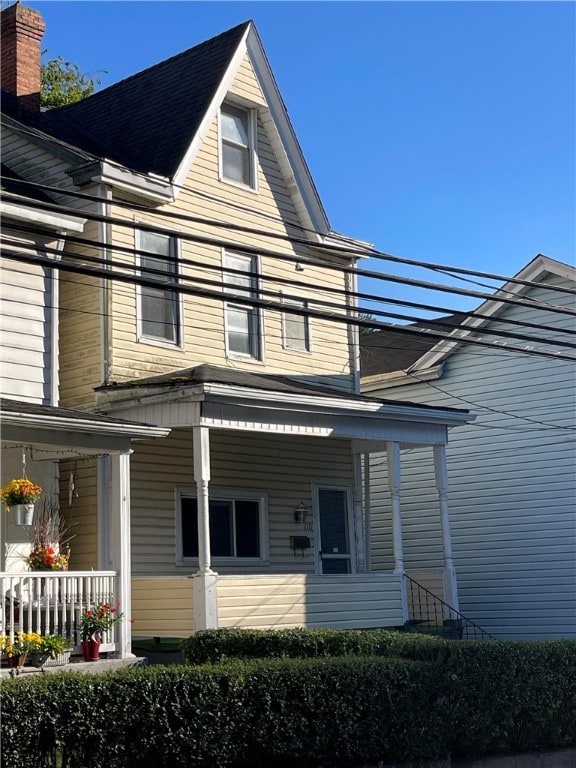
{"x":51,"y":602}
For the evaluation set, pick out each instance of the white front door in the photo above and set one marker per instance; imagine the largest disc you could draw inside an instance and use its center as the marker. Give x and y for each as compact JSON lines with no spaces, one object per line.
{"x":333,"y":535}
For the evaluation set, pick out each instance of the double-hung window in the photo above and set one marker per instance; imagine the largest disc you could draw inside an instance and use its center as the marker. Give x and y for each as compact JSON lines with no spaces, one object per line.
{"x":236,"y":526}
{"x":295,"y":326}
{"x":237,"y":132}
{"x":243,"y":321}
{"x":159,"y":307}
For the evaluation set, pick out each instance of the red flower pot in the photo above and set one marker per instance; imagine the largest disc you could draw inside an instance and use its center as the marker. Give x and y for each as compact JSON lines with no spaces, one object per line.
{"x":91,"y":650}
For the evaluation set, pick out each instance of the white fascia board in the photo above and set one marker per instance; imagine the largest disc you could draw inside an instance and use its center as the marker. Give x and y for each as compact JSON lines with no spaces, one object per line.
{"x":533,"y":271}
{"x":210,"y":114}
{"x":305,"y":184}
{"x":59,"y":222}
{"x":85,"y":426}
{"x":152,"y":187}
{"x":335,"y":405}
{"x":380,"y":381}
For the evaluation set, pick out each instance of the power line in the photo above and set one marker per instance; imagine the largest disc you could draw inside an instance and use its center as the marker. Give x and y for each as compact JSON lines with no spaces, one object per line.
{"x":176,"y":287}
{"x":338,"y":250}
{"x":323,"y":303}
{"x":259,"y":251}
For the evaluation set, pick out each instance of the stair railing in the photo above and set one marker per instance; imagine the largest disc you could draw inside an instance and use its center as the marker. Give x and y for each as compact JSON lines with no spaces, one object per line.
{"x":429,"y":614}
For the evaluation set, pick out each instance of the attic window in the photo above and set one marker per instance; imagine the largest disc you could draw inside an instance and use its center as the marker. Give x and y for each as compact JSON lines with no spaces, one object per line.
{"x":237,"y":131}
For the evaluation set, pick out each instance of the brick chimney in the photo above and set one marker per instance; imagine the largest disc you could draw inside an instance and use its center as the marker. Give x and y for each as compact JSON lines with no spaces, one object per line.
{"x":22,"y":29}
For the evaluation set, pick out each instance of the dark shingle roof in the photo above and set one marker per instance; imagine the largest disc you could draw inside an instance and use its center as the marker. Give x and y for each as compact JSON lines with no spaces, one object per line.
{"x":147,"y":121}
{"x":273,"y":382}
{"x":34,"y":409}
{"x":391,"y":350}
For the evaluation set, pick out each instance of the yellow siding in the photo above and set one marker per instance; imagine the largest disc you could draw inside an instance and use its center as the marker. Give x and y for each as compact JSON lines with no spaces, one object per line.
{"x":80,"y":332}
{"x":281,"y":467}
{"x":82,"y":516}
{"x":364,"y":600}
{"x":162,"y":607}
{"x":270,"y":209}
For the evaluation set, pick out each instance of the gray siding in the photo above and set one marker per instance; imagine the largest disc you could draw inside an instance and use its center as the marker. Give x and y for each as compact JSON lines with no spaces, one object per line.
{"x":26,"y":331}
{"x":512,"y":485}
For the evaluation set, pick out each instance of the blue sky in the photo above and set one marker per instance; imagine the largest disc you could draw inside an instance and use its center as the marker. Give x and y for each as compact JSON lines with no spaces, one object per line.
{"x":440,"y":131}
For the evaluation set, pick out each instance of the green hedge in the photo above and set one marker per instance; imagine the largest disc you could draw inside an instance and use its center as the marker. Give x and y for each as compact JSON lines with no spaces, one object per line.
{"x":280,"y":712}
{"x":466,"y":699}
{"x":216,"y":644}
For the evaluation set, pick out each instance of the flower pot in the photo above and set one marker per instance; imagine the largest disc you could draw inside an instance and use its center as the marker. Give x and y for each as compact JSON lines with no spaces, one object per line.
{"x":23,"y":514}
{"x":17,"y":662}
{"x":91,"y":650}
{"x":60,"y":660}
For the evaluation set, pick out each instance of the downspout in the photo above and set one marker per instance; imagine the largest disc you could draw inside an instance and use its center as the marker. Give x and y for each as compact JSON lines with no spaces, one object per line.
{"x":105,"y":237}
{"x":351,"y":283}
{"x":53,"y":276}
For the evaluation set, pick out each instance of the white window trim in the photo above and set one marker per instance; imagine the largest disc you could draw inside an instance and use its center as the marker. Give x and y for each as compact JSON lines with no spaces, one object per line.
{"x":230,"y":354}
{"x":141,"y":337}
{"x":252,"y":147}
{"x":225,"y":494}
{"x":303,"y":304}
{"x":318,"y":485}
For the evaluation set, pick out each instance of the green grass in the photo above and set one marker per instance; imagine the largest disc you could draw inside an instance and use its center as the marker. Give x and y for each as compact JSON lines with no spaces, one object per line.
{"x":165,"y":644}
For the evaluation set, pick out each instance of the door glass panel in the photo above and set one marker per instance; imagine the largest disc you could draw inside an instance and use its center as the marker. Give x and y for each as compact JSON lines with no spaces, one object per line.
{"x":333,"y":521}
{"x":336,"y":565}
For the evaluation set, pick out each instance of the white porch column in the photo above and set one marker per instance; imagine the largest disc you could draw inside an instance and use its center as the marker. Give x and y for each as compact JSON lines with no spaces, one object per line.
{"x":357,"y":502}
{"x":367,"y":512}
{"x":120,"y":546}
{"x":394,"y":483}
{"x":441,"y":475}
{"x":205,"y":580}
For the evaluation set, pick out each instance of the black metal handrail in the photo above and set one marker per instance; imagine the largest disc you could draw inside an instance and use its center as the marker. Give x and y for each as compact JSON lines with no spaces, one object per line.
{"x":429,"y":614}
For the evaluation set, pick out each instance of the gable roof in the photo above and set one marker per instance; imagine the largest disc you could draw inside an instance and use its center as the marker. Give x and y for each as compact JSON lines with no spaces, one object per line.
{"x":385,"y":351}
{"x":153,"y":123}
{"x":418,"y":354}
{"x":148,"y":120}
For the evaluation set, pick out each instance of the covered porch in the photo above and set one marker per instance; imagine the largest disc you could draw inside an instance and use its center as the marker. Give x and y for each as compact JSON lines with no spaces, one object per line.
{"x":286,"y":462}
{"x":35,"y":439}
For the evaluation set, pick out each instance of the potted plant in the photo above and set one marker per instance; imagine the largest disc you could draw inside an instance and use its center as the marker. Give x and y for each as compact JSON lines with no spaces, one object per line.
{"x":51,"y":540}
{"x":45,"y":558}
{"x":20,"y":494}
{"x":54,"y":651}
{"x":94,"y":623}
{"x":17,"y":651}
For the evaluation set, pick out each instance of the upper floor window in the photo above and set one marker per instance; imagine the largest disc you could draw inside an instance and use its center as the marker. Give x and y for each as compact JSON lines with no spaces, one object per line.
{"x":159,"y":307}
{"x":295,"y":327}
{"x":238,"y":144}
{"x":243,"y":322}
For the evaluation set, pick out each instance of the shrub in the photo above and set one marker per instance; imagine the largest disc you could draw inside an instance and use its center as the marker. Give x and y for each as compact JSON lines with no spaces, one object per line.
{"x":216,"y":644}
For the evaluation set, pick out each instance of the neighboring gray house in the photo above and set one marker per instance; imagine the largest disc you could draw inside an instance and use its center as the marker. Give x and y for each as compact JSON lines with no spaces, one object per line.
{"x":512,"y":483}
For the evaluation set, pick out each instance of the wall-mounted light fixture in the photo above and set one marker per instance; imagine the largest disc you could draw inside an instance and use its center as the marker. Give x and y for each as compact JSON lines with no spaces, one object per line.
{"x":300,"y":513}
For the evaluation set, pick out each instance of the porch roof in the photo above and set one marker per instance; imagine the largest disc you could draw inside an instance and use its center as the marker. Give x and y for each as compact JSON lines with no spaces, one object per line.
{"x":48,"y":425}
{"x":224,"y":398}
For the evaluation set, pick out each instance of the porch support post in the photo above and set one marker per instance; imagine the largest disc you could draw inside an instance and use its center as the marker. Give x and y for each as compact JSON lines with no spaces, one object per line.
{"x":441,"y":475}
{"x":205,"y":580}
{"x":120,"y":545}
{"x":367,"y":512}
{"x":394,"y":483}
{"x":358,"y":516}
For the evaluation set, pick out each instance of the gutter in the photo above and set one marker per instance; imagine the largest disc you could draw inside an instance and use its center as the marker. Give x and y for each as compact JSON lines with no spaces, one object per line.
{"x":86,"y":425}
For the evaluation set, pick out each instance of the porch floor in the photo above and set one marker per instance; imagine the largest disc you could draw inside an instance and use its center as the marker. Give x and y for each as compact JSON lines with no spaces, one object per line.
{"x":77,"y":664}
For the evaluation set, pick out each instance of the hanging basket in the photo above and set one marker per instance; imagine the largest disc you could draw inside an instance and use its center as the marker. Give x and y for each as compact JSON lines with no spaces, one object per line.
{"x":23,"y":514}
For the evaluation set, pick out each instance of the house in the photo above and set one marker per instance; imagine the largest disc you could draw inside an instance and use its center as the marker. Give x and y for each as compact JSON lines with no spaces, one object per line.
{"x":512,"y":471}
{"x":199,"y":297}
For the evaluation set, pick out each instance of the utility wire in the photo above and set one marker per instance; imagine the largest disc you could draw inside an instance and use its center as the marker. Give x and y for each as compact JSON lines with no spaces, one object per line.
{"x":323,"y":303}
{"x":98,"y":271}
{"x":258,"y":251}
{"x":356,"y":250}
{"x":131,"y":251}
